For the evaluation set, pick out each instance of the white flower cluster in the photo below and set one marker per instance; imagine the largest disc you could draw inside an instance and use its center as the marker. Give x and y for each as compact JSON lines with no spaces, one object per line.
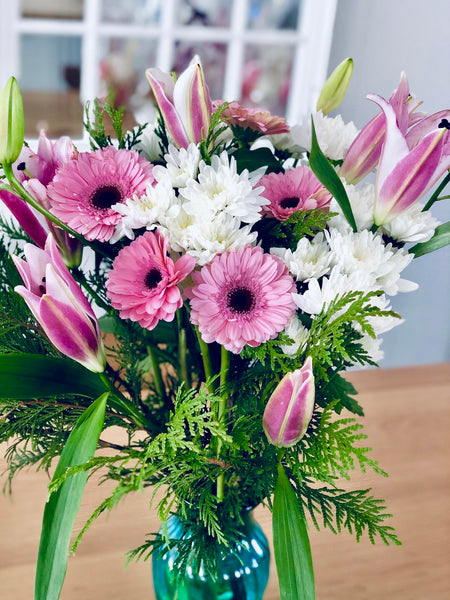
{"x":203,"y":209}
{"x":207,"y":209}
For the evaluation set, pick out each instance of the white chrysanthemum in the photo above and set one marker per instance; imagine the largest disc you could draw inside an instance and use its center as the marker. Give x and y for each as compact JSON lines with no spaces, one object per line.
{"x":372,"y":347}
{"x":319,"y":295}
{"x":178,"y":230}
{"x":412,"y":225}
{"x":298,"y":334}
{"x":204,"y":239}
{"x":159,"y":205}
{"x":149,"y":144}
{"x":285,"y":141}
{"x":380,"y":325}
{"x":333,"y":135}
{"x":219,"y":188}
{"x":362,"y":202}
{"x":311,"y":259}
{"x":181,"y":166}
{"x":377,"y":265}
{"x":208,"y":238}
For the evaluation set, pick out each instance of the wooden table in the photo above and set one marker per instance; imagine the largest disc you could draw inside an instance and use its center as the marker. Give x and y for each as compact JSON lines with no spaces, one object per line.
{"x":407,"y":420}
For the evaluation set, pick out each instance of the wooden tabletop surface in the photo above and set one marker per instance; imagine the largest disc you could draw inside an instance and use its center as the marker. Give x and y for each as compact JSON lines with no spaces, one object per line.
{"x":407,"y":419}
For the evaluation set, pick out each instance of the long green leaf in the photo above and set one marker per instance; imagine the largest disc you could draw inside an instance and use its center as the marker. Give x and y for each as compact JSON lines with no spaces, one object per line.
{"x":291,"y":544}
{"x":323,"y":170}
{"x":63,"y":504}
{"x":24,"y":376}
{"x":440,"y":239}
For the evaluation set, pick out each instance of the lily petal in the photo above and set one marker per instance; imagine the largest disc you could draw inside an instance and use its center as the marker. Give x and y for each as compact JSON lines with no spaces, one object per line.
{"x":163,"y":89}
{"x":26,"y":217}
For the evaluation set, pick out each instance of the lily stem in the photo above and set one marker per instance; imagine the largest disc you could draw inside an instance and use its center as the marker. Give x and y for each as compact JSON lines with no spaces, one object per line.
{"x":436,"y":193}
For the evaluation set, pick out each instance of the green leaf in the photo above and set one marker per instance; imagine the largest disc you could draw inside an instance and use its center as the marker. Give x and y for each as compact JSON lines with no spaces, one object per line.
{"x":291,"y":543}
{"x":440,"y":239}
{"x":63,"y":504}
{"x":325,"y":173}
{"x":25,"y":376}
{"x":254,"y":159}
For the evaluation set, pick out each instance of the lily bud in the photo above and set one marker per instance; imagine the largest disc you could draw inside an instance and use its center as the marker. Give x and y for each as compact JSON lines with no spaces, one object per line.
{"x":185,"y":105}
{"x":11,"y":122}
{"x":335,"y":87}
{"x":60,"y":306}
{"x":290,"y":407}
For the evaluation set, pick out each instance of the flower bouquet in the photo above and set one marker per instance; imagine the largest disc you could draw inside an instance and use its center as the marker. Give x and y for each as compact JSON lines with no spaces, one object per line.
{"x":203,"y":282}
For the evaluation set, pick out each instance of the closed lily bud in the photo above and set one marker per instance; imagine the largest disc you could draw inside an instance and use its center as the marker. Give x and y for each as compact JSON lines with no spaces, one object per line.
{"x":59,"y":305}
{"x":335,"y":87}
{"x":11,"y":122}
{"x":185,"y":105}
{"x":290,"y":407}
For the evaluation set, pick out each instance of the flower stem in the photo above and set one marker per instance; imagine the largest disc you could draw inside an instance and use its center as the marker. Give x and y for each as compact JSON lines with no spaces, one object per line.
{"x":31,"y":200}
{"x":124,"y":406}
{"x":157,"y":379}
{"x":182,"y":350}
{"x":79,"y":276}
{"x":224,"y":366}
{"x":204,"y":351}
{"x":222,"y":408}
{"x":436,"y":193}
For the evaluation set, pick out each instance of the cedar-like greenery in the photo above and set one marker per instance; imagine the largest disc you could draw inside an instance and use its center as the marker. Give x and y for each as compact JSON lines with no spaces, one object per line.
{"x":178,"y":454}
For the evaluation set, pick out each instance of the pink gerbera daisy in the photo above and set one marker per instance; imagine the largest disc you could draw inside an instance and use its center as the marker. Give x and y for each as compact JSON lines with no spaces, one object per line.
{"x":242,"y":297}
{"x":142,"y":283}
{"x":294,"y":190}
{"x":84,"y":190}
{"x":250,"y":118}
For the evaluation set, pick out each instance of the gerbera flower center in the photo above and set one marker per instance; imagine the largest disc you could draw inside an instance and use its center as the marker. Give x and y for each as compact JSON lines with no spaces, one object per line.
{"x":105,"y":196}
{"x":152,"y":278}
{"x":291,"y":202}
{"x":241,"y":300}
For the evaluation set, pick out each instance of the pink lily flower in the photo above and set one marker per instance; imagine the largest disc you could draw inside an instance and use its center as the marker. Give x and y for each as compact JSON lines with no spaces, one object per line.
{"x":58,"y":304}
{"x":35,"y":171}
{"x":405,"y":174}
{"x":290,"y":407}
{"x":363,"y":155}
{"x":42,"y":165}
{"x":185,"y":105}
{"x":34,"y":226}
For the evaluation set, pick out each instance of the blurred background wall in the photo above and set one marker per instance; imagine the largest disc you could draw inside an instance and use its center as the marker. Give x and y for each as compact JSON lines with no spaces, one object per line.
{"x":384,"y":38}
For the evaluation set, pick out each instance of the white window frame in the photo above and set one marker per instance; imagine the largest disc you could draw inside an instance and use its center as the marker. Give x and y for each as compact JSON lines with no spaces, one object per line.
{"x":311,"y":43}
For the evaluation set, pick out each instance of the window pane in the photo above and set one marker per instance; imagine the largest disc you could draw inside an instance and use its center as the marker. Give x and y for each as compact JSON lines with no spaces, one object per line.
{"x":213,"y":57}
{"x":52,"y":9}
{"x":140,"y":12}
{"x":266,"y":76}
{"x":123,"y":62}
{"x":215,"y":13}
{"x":273,"y":14}
{"x":50,"y":82}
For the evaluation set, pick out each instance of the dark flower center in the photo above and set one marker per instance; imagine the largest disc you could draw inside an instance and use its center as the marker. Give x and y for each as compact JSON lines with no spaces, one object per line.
{"x":104,"y":197}
{"x":291,"y":202}
{"x":241,"y":300}
{"x":152,"y":278}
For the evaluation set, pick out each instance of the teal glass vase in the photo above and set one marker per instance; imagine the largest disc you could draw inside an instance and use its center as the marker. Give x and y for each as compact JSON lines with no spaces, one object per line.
{"x":242,"y":572}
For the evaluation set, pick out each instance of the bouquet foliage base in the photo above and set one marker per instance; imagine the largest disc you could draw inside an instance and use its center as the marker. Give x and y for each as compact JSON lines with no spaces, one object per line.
{"x":242,"y":569}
